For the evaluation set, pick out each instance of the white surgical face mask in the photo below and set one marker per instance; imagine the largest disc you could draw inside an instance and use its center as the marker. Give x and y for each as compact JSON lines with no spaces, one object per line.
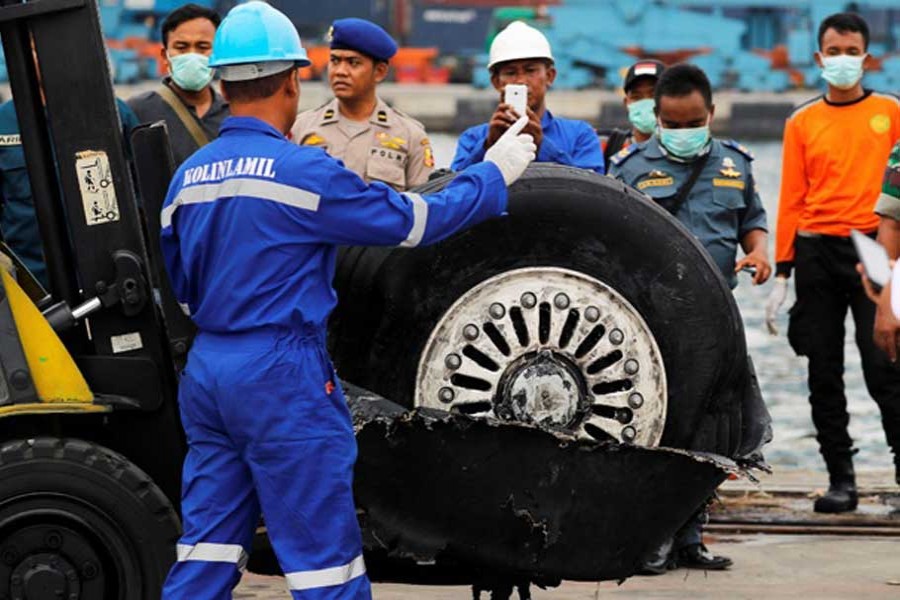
{"x":842,"y":71}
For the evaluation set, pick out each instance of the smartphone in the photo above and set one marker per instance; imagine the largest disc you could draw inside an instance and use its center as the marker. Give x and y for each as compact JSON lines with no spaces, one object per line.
{"x":749,"y":269}
{"x":874,"y":259}
{"x":516,"y":95}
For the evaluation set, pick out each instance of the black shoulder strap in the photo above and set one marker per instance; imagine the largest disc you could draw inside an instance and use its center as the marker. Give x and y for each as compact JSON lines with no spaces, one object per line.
{"x":615,"y":141}
{"x":684,"y":191}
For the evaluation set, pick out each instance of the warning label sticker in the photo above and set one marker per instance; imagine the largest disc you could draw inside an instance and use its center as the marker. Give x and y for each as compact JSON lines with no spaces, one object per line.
{"x":126,"y":342}
{"x":98,"y":195}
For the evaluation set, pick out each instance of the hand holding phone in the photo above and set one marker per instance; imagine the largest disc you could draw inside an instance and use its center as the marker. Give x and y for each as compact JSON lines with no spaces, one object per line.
{"x":516,"y":95}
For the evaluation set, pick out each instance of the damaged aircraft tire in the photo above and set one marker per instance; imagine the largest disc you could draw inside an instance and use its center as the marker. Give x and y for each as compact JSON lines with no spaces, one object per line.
{"x":80,"y":521}
{"x":588,"y":308}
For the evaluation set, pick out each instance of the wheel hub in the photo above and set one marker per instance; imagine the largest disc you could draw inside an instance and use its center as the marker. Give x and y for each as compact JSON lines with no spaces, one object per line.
{"x":45,"y":576}
{"x":548,"y":346}
{"x":49,"y":562}
{"x":542,"y":389}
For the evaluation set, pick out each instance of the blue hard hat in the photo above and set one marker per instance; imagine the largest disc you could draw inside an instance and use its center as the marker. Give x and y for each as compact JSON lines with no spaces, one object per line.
{"x":256,"y":33}
{"x":362,"y":36}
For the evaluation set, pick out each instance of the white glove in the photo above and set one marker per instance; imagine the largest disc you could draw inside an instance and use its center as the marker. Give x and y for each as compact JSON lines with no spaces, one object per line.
{"x":776,"y":298}
{"x":513,"y":151}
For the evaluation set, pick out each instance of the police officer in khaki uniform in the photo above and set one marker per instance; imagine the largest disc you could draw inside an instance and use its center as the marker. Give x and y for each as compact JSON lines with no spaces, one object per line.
{"x":375,"y":141}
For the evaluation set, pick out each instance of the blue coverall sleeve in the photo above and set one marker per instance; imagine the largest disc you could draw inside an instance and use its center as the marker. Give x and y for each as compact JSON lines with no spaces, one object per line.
{"x":350,"y":212}
{"x":171,"y":250}
{"x":469,"y":148}
{"x":585,"y":154}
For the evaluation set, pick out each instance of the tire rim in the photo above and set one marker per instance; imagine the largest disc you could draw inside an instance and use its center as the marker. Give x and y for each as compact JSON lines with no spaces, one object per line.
{"x":55,"y":544}
{"x":552,"y":347}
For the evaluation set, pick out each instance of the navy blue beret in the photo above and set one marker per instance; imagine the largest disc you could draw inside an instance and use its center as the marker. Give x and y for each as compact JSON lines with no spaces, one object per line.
{"x":362,"y":36}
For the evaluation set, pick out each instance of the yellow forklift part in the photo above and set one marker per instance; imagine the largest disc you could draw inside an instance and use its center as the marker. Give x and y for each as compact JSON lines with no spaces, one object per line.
{"x":55,"y":375}
{"x":37,"y":408}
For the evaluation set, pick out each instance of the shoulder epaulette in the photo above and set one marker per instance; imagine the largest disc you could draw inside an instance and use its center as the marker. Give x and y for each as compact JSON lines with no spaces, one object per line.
{"x":624,"y":154}
{"x":739,"y":148}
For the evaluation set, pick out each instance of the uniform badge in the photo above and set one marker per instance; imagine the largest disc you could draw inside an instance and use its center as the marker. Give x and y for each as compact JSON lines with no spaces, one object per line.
{"x":329,"y":37}
{"x":382,"y":116}
{"x":656,"y":178}
{"x":880,"y":123}
{"x":425,"y":142}
{"x":729,"y":183}
{"x":428,"y":157}
{"x":10,"y":139}
{"x":329,"y":114}
{"x":312,"y":140}
{"x":728,"y":168}
{"x":388,"y":141}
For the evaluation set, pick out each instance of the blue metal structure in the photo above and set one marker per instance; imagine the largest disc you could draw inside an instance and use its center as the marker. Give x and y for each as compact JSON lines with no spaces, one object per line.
{"x":731,"y":40}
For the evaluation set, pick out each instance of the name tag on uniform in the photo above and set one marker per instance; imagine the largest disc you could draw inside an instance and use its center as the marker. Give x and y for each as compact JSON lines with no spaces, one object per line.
{"x":387,"y":154}
{"x":655,"y":182}
{"x":11,"y":139}
{"x":737,"y":184}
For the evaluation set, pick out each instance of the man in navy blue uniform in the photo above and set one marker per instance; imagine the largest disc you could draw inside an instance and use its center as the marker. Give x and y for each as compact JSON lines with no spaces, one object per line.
{"x":520,"y":54}
{"x":249,"y":233}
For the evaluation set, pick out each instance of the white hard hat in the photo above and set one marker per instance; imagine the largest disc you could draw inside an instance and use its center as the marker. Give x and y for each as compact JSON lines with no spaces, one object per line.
{"x":519,"y":40}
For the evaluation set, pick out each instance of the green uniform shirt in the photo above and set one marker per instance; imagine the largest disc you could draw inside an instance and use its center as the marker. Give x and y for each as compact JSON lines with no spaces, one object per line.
{"x":888,"y":204}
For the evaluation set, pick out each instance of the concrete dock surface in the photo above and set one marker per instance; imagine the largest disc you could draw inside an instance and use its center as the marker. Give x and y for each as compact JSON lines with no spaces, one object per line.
{"x":765,"y":567}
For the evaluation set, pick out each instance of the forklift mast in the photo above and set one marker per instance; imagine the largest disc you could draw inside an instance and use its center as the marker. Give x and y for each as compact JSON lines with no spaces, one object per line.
{"x":95,"y":249}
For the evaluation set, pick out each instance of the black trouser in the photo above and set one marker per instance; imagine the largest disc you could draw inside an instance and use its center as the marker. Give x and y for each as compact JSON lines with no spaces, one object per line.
{"x":827,"y":284}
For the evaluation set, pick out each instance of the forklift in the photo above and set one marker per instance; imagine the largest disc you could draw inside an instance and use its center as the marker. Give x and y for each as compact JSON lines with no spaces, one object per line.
{"x":90,"y":440}
{"x":91,"y":445}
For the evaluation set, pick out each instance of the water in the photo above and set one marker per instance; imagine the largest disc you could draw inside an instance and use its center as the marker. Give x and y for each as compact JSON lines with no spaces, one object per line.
{"x":782,"y":375}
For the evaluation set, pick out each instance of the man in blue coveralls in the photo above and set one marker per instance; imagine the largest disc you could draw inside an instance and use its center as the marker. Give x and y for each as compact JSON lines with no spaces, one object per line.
{"x":706,"y":184}
{"x":249,"y":234}
{"x":520,"y":54}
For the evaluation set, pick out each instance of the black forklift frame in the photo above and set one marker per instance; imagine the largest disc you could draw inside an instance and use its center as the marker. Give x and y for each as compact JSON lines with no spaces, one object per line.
{"x":94,"y":241}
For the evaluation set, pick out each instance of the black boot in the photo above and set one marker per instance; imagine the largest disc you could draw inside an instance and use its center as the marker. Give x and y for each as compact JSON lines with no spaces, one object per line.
{"x":659,"y":561}
{"x":696,"y":556}
{"x":841,"y":495}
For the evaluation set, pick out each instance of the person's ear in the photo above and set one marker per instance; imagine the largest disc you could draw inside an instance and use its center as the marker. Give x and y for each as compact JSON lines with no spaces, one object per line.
{"x":164,"y":57}
{"x":551,"y":75}
{"x":495,"y":81}
{"x":868,"y":62}
{"x":292,"y":84}
{"x":381,"y":71}
{"x":712,"y":112}
{"x":818,"y":58}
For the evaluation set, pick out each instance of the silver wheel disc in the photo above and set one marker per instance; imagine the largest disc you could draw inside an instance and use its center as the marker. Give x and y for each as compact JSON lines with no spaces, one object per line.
{"x":548,"y":346}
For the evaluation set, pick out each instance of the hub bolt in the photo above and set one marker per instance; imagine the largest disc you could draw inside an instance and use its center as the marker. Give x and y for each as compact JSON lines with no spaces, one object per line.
{"x":497,"y":310}
{"x":89,"y":570}
{"x":635,"y":400}
{"x":616,"y":336}
{"x":53,"y":539}
{"x":592,"y":313}
{"x":528,"y":300}
{"x":632,"y":366}
{"x":561,"y":301}
{"x":9,"y":556}
{"x":446,"y":395}
{"x":470,"y":332}
{"x":629,"y":433}
{"x":453,"y":361}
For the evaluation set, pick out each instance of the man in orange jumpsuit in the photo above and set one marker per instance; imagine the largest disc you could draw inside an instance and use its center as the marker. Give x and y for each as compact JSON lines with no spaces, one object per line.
{"x":835,"y":149}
